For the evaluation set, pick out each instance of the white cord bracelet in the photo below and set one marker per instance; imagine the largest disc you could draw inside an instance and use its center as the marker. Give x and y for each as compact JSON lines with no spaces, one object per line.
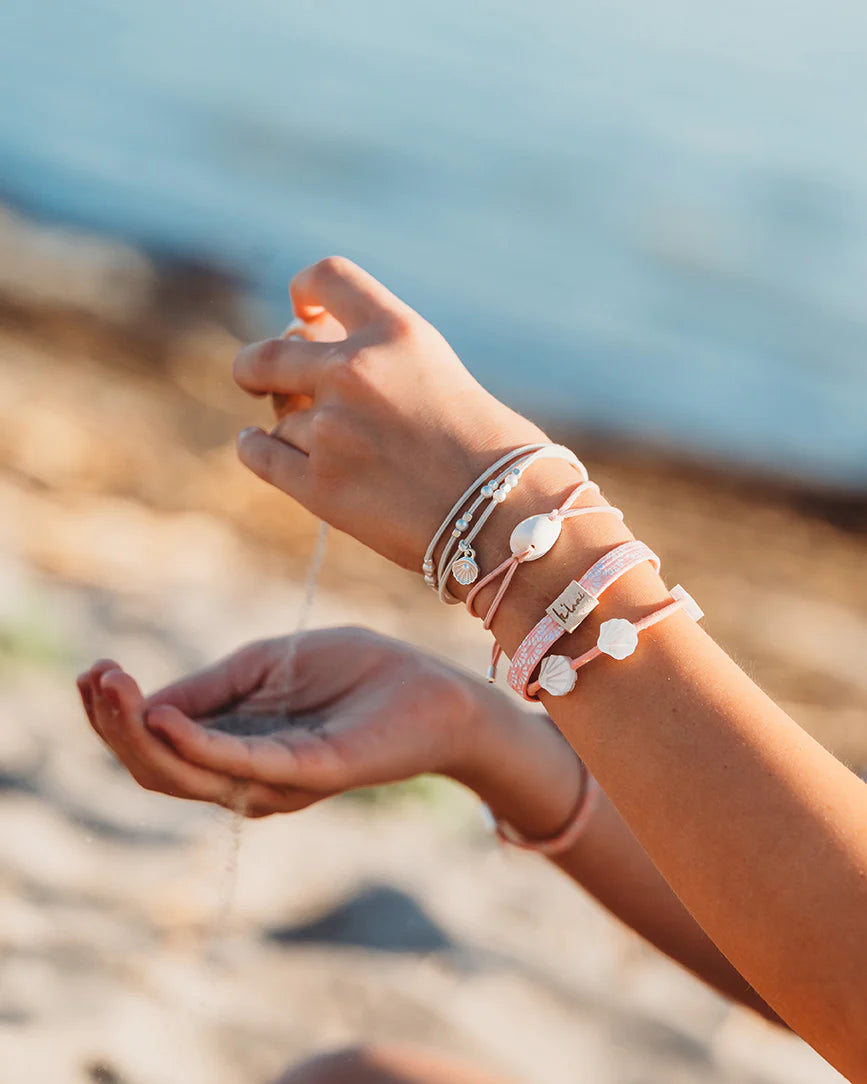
{"x":464,"y":565}
{"x":428,"y":566}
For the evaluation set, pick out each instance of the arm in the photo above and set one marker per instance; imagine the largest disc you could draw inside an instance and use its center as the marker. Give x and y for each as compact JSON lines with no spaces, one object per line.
{"x":521,"y":772}
{"x":758,"y":830}
{"x":351,"y":728}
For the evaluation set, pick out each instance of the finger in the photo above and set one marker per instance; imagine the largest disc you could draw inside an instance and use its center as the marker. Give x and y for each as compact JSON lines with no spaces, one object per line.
{"x":275,"y":461}
{"x":152,"y":763}
{"x":224,"y":683}
{"x":349,"y":293}
{"x":281,"y":365}
{"x":86,"y":693}
{"x":222,"y":755}
{"x":255,"y":758}
{"x":321,"y":327}
{"x":94,"y":680}
{"x":295,"y":429}
{"x":289,"y":404}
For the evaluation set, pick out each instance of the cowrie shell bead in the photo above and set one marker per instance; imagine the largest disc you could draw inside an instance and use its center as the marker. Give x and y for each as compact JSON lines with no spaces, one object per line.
{"x":540,"y":532}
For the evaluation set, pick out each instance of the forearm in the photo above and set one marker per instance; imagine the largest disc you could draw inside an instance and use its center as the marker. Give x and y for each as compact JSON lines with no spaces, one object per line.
{"x":530,"y":779}
{"x":748,"y":819}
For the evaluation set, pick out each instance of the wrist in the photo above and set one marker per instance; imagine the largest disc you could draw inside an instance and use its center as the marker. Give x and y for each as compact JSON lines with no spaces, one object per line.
{"x":536,"y":584}
{"x":518,"y":764}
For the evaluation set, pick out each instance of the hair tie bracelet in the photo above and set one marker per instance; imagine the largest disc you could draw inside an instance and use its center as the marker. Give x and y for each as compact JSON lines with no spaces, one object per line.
{"x":428,"y":561}
{"x":618,"y":638}
{"x":572,"y":606}
{"x":464,"y":566}
{"x":530,"y":540}
{"x":567,"y":837}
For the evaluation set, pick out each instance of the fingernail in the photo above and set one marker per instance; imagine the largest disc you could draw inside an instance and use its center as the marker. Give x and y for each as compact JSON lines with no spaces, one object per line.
{"x":111,"y":695}
{"x":250,"y":429}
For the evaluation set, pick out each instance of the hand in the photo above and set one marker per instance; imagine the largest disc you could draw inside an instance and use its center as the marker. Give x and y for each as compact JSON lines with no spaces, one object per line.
{"x":278,"y":733}
{"x":394,"y":428}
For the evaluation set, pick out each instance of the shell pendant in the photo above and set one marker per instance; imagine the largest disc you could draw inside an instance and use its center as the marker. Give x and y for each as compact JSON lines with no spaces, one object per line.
{"x":464,"y":568}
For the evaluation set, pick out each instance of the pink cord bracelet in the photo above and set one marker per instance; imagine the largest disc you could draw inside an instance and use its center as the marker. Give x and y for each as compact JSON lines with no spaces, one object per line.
{"x":531,"y":539}
{"x":567,"y":837}
{"x":618,"y":638}
{"x":572,"y":606}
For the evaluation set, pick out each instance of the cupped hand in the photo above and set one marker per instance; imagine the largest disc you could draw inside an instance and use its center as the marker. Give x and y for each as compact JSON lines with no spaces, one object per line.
{"x":272,"y":728}
{"x":393,"y":427}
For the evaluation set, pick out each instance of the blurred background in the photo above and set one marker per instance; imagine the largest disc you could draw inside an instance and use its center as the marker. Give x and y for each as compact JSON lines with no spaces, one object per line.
{"x":659,"y":213}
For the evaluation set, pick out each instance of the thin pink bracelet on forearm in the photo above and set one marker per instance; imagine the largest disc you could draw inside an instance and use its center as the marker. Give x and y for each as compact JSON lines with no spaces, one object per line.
{"x":572,"y":606}
{"x":618,"y":638}
{"x":530,"y":540}
{"x":567,"y":837}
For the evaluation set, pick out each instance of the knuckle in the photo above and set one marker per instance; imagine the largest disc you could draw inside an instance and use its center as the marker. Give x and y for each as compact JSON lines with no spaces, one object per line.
{"x":324,"y":427}
{"x":265,"y":357}
{"x":401,"y":324}
{"x":333,"y":267}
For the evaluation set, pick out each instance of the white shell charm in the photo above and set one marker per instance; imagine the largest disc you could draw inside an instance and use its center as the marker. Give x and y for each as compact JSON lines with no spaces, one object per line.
{"x":557,"y":676}
{"x":540,"y":532}
{"x":464,"y":568}
{"x":617,"y":638}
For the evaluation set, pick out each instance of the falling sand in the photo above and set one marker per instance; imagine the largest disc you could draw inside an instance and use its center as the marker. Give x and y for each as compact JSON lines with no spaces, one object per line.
{"x":249,"y":723}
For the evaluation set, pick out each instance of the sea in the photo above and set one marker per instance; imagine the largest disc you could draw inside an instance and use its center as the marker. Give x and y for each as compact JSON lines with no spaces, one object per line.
{"x":645,"y":218}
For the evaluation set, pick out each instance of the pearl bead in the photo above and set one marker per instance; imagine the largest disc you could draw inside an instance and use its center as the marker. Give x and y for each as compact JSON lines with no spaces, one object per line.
{"x":499,"y":497}
{"x":462,"y":524}
{"x":488,"y":490}
{"x":516,"y":471}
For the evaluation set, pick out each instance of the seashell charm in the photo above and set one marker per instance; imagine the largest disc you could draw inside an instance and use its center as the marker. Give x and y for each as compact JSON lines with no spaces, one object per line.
{"x":557,"y":676}
{"x":465,"y":570}
{"x":540,"y":532}
{"x":617,"y":638}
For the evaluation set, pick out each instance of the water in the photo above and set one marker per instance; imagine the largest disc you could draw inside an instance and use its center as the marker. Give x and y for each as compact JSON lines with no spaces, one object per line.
{"x":650,"y":218}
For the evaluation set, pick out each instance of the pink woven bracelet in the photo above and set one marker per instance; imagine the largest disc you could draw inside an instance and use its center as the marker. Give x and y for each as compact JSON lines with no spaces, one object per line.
{"x":568,"y":836}
{"x":572,"y":606}
{"x":530,"y":540}
{"x":618,"y":638}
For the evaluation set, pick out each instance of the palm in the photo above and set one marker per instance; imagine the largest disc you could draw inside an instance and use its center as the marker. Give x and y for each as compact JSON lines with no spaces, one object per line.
{"x":345,"y":709}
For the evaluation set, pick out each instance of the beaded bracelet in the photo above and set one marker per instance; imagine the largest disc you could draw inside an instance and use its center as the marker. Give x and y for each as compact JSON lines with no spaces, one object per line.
{"x":572,"y":606}
{"x":530,"y":540}
{"x":618,"y":638}
{"x":464,"y":566}
{"x":567,"y":837}
{"x":428,"y":561}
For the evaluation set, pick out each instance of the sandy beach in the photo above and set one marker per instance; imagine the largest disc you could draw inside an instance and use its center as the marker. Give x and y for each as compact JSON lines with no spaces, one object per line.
{"x":128,"y":529}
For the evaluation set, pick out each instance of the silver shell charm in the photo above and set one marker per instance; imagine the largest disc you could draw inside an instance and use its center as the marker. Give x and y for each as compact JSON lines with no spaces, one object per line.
{"x":465,"y":570}
{"x":557,"y":676}
{"x":617,"y":638}
{"x":540,"y":532}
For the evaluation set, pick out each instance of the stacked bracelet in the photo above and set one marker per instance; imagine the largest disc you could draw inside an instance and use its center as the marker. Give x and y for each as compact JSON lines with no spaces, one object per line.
{"x":618,"y":638}
{"x":530,"y":540}
{"x":458,"y":556}
{"x":572,"y":606}
{"x":428,"y":566}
